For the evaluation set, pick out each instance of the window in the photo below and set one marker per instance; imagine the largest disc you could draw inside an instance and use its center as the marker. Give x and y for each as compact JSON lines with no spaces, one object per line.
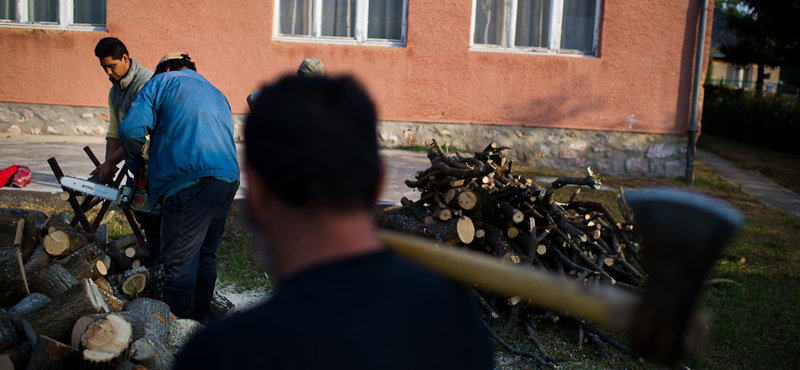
{"x":78,"y":14}
{"x":347,"y":21}
{"x":549,"y":26}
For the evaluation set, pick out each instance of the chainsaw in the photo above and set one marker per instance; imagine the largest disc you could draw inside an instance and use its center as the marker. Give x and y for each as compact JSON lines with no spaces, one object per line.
{"x":133,"y":194}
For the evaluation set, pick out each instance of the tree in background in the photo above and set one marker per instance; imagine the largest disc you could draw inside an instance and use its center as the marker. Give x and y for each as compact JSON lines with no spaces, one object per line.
{"x":766,"y":32}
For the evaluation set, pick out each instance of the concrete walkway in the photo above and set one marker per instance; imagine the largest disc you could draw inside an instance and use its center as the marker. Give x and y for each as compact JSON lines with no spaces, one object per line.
{"x":756,"y":186}
{"x":34,"y":151}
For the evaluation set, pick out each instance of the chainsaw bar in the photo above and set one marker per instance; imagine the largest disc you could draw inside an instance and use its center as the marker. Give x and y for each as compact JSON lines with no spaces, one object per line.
{"x":90,"y":188}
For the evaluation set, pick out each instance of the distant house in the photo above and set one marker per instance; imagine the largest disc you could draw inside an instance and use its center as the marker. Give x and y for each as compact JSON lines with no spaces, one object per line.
{"x":566,"y":83}
{"x":729,"y":74}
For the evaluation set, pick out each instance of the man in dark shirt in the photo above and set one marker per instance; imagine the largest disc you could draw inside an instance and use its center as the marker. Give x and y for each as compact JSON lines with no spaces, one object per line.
{"x":342,"y":301}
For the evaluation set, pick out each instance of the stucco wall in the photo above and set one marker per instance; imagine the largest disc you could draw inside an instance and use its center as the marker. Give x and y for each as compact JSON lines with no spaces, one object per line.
{"x":640,"y":82}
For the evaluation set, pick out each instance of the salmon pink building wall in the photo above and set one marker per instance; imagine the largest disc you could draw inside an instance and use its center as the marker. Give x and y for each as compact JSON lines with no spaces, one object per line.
{"x":640,"y":81}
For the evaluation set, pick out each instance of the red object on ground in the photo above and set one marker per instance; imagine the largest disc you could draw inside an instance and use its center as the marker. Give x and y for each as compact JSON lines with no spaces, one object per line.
{"x":22,"y":177}
{"x":6,"y":174}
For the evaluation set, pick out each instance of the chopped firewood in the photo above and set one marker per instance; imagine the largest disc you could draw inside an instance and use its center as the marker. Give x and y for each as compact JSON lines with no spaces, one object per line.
{"x":57,"y":319}
{"x":55,"y":221}
{"x":521,"y":221}
{"x":151,"y":353}
{"x":134,"y":252}
{"x":37,"y":260}
{"x":78,"y":329}
{"x":10,"y":335}
{"x":105,"y":341}
{"x":149,"y":317}
{"x":16,"y":357}
{"x":52,"y":281}
{"x":134,"y":281}
{"x":29,"y":304}
{"x":180,"y":331}
{"x":51,"y":354}
{"x":221,"y":307}
{"x":115,"y":301}
{"x":13,"y":281}
{"x":60,"y":243}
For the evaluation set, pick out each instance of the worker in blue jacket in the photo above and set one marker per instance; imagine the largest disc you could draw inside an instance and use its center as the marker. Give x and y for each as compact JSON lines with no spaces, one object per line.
{"x":192,"y":172}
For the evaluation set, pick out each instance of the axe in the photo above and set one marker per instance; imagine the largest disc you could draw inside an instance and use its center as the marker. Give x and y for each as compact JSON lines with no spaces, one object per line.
{"x":682,"y":234}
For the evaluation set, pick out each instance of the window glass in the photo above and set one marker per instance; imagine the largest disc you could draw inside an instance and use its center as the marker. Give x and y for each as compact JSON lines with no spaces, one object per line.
{"x":43,"y":11}
{"x":90,"y":11}
{"x":8,"y":10}
{"x":296,"y":17}
{"x":577,"y":31}
{"x":338,"y":18}
{"x":490,"y":20}
{"x":533,"y":23}
{"x":385,"y":19}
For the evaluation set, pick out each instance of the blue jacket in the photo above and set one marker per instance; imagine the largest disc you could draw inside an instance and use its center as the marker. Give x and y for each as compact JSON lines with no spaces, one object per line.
{"x":191,"y":131}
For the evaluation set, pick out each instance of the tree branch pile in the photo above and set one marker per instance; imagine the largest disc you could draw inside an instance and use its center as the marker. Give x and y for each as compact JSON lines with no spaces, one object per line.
{"x":69,"y":299}
{"x":479,"y":203}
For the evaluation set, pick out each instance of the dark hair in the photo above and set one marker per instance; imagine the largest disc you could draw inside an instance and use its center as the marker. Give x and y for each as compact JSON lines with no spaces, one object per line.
{"x":110,"y":47}
{"x":314,"y":141}
{"x":175,"y":64}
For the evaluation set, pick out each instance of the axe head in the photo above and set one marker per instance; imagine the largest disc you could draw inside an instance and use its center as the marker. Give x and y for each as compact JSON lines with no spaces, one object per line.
{"x":682,"y":234}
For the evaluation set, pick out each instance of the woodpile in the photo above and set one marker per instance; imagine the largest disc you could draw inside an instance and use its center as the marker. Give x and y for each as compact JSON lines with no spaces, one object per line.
{"x":69,"y":299}
{"x":477,"y":202}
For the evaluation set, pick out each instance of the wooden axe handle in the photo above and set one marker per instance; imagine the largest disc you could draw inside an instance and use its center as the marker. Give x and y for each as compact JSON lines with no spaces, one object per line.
{"x":604,"y":305}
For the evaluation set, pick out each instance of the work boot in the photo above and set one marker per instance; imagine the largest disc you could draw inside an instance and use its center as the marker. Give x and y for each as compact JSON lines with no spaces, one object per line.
{"x":203,"y":294}
{"x":180,"y":301}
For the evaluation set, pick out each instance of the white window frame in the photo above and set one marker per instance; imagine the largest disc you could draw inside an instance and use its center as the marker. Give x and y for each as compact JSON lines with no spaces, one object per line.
{"x":66,"y":17}
{"x":556,"y":18}
{"x":360,"y":34}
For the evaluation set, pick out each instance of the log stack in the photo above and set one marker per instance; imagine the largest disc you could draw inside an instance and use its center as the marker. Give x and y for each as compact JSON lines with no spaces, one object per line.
{"x":477,"y":202}
{"x":70,"y":300}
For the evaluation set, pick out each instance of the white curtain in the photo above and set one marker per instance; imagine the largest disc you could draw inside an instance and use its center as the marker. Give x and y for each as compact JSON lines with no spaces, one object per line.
{"x":8,"y":10}
{"x":385,"y":19}
{"x":577,"y":32}
{"x":43,"y":11}
{"x":490,"y":21}
{"x":90,"y":12}
{"x":533,"y":23}
{"x":295,"y":17}
{"x":338,"y":18}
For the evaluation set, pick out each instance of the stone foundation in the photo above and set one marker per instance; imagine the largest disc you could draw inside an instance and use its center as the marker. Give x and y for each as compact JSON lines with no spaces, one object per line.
{"x":606,"y":152}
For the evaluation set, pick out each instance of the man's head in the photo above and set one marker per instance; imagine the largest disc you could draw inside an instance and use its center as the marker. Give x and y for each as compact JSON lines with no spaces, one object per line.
{"x":312,"y":142}
{"x":113,"y":56}
{"x":174,"y":62}
{"x":311,"y":67}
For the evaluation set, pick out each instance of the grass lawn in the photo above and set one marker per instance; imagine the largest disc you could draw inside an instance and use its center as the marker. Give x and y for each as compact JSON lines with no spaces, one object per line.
{"x":756,"y":311}
{"x":780,"y":167}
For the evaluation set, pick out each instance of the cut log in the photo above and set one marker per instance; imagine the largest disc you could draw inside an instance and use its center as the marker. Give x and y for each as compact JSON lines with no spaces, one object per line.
{"x":221,"y":307}
{"x":52,"y":281}
{"x":134,"y":282}
{"x":16,"y":357}
{"x":79,"y":267}
{"x":122,"y":244}
{"x":151,"y":353}
{"x":58,"y":221}
{"x":30,"y":237}
{"x":52,"y":354}
{"x":115,"y":301}
{"x":119,"y":262}
{"x":135,"y":253}
{"x":13,"y":283}
{"x":153,"y":316}
{"x":56,"y":320}
{"x":180,"y":331}
{"x":105,"y":341}
{"x":78,"y":329}
{"x":10,"y":334}
{"x":60,"y":243}
{"x":29,"y":304}
{"x":37,"y":260}
{"x":513,"y":214}
{"x":155,"y":287}
{"x":467,"y":200}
